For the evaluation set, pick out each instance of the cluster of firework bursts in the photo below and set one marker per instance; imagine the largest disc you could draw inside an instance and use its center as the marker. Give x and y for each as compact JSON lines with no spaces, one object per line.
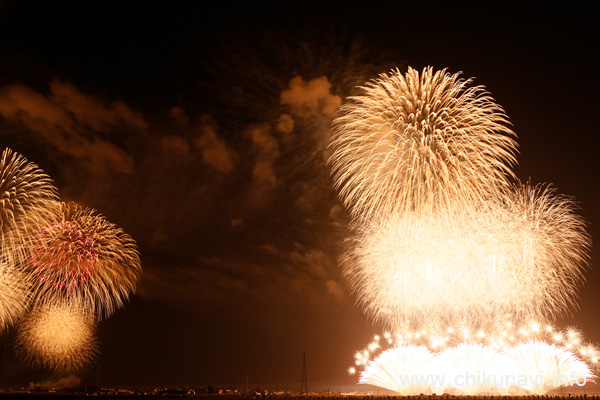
{"x":450,"y":252}
{"x":62,"y":268}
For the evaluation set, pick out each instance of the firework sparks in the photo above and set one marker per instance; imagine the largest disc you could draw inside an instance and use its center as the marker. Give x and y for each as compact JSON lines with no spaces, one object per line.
{"x":26,"y":192}
{"x":57,"y":336}
{"x":461,"y":367}
{"x":498,"y":334}
{"x":67,"y":261}
{"x":64,"y":255}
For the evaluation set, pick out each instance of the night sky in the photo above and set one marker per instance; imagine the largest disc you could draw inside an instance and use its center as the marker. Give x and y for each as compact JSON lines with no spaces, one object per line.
{"x":203,"y":134}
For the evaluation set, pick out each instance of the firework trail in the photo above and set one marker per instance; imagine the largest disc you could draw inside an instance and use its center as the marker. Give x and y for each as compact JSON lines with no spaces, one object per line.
{"x":419,"y":141}
{"x":58,"y":336}
{"x":80,"y":256}
{"x":25,"y":192}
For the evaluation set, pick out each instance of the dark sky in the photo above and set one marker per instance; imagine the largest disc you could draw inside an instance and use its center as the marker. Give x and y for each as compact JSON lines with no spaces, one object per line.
{"x":203,"y":134}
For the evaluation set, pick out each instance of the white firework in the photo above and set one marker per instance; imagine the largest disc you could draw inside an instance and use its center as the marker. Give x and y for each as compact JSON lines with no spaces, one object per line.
{"x":444,"y":244}
{"x":521,"y":254}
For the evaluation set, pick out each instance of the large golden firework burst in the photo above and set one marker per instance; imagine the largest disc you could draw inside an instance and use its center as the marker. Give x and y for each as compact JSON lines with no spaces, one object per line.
{"x":419,"y":140}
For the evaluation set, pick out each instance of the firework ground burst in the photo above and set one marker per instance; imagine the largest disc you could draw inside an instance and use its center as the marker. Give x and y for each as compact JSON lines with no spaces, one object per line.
{"x":499,"y":335}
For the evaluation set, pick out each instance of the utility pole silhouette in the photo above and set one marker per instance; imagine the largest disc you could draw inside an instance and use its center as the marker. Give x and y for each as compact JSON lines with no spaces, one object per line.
{"x":304,"y":382}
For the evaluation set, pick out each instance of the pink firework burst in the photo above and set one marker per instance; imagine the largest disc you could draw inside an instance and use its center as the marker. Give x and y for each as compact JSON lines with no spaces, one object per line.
{"x":81,"y":257}
{"x":64,"y":255}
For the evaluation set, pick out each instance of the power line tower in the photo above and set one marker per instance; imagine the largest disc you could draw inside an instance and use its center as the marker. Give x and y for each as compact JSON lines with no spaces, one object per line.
{"x":304,"y":383}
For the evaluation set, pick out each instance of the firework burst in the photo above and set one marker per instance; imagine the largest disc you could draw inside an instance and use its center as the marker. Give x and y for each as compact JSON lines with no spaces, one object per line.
{"x":67,"y":262}
{"x":473,"y":368}
{"x":419,"y":141}
{"x":25,"y":192}
{"x":553,"y":246}
{"x":58,"y":337}
{"x":82,"y":257}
